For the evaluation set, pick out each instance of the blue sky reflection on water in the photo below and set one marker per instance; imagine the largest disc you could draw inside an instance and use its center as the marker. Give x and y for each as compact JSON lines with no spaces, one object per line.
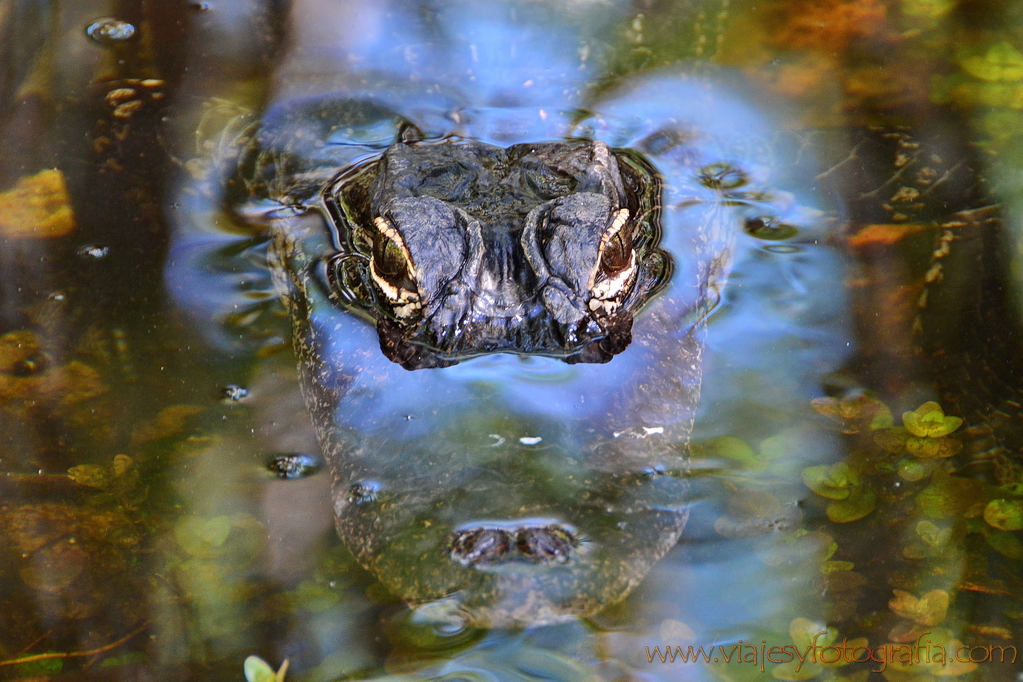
{"x":517,"y":72}
{"x":745,"y":136}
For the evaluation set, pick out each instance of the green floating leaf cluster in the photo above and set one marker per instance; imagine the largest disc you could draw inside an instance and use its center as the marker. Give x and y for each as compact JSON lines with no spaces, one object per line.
{"x":924,"y":435}
{"x":929,"y":540}
{"x":1001,"y":62}
{"x":939,"y":515}
{"x":1002,"y":517}
{"x":850,"y":501}
{"x":1004,"y":514}
{"x":855,"y":413}
{"x":805,"y":635}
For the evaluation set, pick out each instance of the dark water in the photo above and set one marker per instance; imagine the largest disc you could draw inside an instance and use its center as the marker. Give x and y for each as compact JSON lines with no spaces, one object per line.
{"x":869,"y":258}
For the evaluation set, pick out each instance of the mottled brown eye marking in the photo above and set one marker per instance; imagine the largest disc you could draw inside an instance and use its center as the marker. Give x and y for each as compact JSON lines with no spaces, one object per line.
{"x":616,"y":246}
{"x":616,"y":266}
{"x":393,"y":270}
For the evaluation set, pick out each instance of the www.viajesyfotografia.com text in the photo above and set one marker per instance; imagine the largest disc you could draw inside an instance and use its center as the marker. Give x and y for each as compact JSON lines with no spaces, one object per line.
{"x":921,"y":652}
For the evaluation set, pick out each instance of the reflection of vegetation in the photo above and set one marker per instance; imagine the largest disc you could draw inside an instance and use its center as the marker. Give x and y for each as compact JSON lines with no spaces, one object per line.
{"x":53,"y":662}
{"x":922,"y":497}
{"x":956,"y":540}
{"x":850,"y":501}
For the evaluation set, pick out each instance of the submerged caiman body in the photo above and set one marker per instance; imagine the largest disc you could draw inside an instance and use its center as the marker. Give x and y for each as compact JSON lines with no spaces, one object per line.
{"x":548,"y":298}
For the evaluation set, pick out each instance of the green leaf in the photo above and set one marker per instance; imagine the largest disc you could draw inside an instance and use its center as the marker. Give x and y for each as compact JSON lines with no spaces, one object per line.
{"x":830,"y":551}
{"x":1006,"y":543}
{"x":852,"y":412}
{"x":912,"y":470}
{"x":927,"y":9}
{"x":733,"y":449}
{"x":1002,"y":62}
{"x":834,"y":482}
{"x":883,"y":419}
{"x":199,"y":536}
{"x":258,"y":670}
{"x":829,"y":567}
{"x":803,"y":631}
{"x":932,"y":535}
{"x":948,"y":496}
{"x":855,"y":507}
{"x":929,"y":420}
{"x":89,"y":475}
{"x":929,"y":609}
{"x":892,"y":440}
{"x":933,"y":448}
{"x":1004,"y":514}
{"x":43,"y":668}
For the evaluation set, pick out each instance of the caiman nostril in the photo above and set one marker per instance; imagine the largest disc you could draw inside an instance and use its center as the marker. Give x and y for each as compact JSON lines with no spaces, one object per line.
{"x":549,"y":545}
{"x":480,"y":546}
{"x":544,"y":545}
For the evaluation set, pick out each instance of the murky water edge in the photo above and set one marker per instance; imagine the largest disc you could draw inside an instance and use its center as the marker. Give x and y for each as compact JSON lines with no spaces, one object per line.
{"x":147,"y":381}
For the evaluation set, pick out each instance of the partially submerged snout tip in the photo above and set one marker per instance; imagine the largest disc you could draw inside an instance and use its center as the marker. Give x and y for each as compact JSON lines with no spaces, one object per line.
{"x":528,"y":543}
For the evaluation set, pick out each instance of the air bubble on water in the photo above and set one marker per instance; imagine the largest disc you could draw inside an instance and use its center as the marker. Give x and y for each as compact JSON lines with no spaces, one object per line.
{"x":94,"y":251}
{"x":530,"y":440}
{"x":109,"y":31}
{"x":234,"y":393}
{"x":363,"y":492}
{"x":293,"y":465}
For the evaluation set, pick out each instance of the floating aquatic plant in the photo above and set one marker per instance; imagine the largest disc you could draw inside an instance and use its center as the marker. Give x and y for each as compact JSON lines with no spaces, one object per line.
{"x":810,"y":635}
{"x":929,"y":540}
{"x":1001,"y":62}
{"x":850,"y":501}
{"x":835,"y":482}
{"x":1004,"y":514}
{"x":929,"y":609}
{"x":855,"y":412}
{"x":1005,"y":543}
{"x":258,"y":670}
{"x":948,"y":496}
{"x":930,"y":421}
{"x":924,"y":434}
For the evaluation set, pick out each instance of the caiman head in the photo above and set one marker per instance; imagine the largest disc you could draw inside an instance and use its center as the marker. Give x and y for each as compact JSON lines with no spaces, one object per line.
{"x":456,"y":248}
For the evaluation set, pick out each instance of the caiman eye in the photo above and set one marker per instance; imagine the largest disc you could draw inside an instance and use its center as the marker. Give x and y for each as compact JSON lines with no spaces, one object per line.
{"x":616,"y":265}
{"x":393,"y":270}
{"x":617,"y":254}
{"x":389,"y":260}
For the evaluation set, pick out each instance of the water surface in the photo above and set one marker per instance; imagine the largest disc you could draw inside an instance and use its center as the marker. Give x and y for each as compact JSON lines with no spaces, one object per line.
{"x":147,"y":377}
